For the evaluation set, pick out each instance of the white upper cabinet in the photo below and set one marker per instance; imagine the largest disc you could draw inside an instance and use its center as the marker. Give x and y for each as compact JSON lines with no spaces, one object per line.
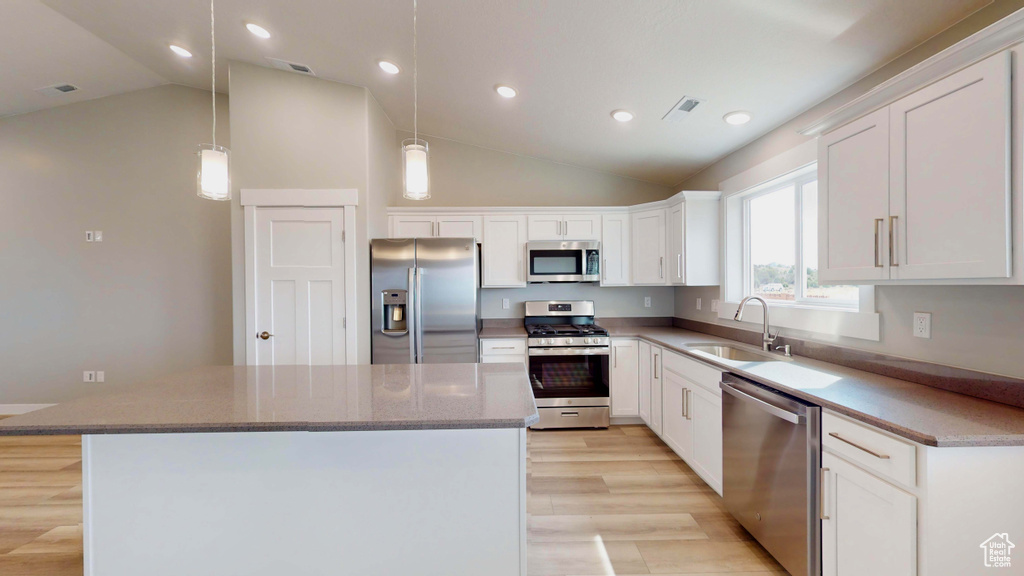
{"x":853,"y":200}
{"x":676,"y":244}
{"x":460,"y":226}
{"x":648,"y":247}
{"x":615,"y":250}
{"x":412,"y":226}
{"x":563,"y":227}
{"x":921,"y":190}
{"x":504,"y":250}
{"x":950,"y":176}
{"x":436,"y":226}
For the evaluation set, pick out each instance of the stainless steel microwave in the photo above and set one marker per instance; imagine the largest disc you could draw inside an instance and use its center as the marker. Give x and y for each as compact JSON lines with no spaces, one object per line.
{"x":563,"y":261}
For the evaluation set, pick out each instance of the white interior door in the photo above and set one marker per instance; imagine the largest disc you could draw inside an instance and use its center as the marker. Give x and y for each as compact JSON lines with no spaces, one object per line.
{"x":300,"y":286}
{"x":951,"y":176}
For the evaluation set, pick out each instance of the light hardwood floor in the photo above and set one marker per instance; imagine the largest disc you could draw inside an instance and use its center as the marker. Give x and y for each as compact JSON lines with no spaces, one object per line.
{"x":600,"y":502}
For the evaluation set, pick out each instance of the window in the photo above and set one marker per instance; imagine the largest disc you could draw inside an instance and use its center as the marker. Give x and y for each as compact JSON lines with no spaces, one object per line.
{"x":780,"y":231}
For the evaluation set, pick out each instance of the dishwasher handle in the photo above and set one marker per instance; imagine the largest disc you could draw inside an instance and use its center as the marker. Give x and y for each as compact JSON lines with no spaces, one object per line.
{"x":767,"y":407}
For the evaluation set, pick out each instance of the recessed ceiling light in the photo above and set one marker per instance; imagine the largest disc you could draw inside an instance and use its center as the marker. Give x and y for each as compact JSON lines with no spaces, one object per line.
{"x":389,"y":67}
{"x":257,"y":30}
{"x":622,"y":115}
{"x":180,"y":51}
{"x":738,"y":117}
{"x":505,"y":91}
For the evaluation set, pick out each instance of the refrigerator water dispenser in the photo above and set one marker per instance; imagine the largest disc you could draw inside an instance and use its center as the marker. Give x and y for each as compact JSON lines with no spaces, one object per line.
{"x":394,"y":303}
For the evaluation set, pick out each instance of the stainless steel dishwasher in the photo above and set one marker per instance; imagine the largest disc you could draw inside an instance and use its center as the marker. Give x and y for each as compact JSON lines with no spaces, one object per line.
{"x":771,"y":446}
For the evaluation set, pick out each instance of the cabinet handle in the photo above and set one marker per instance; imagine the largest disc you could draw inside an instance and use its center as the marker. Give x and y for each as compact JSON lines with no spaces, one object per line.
{"x":615,"y":357}
{"x":503,"y":347}
{"x":878,"y":255}
{"x":655,"y":366}
{"x":604,"y":271}
{"x":689,"y":402}
{"x":859,"y":447}
{"x":821,"y":494}
{"x":682,"y":404}
{"x":679,"y":265}
{"x":661,"y":267}
{"x":893,"y":261}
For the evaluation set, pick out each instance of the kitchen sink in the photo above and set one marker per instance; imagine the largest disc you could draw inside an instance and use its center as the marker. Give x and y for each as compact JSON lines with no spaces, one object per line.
{"x":730,"y":353}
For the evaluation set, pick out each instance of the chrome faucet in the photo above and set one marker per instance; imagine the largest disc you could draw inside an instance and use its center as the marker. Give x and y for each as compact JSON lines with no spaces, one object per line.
{"x":766,"y":339}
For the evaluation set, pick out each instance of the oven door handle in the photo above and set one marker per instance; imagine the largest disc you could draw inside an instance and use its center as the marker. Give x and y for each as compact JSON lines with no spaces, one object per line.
{"x":601,"y":351}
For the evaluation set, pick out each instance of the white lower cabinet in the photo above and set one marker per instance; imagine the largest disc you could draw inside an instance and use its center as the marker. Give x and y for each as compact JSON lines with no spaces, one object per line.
{"x":496,"y":351}
{"x":869,"y":525}
{"x":692,"y":415}
{"x":644,"y":363}
{"x":625,"y":383}
{"x":677,"y":429}
{"x":657,"y":372}
{"x":706,"y":414}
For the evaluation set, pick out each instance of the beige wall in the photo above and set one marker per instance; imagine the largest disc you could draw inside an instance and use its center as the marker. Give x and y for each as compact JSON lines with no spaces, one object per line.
{"x":464,"y":175}
{"x":295,"y":131}
{"x":384,"y":167}
{"x":978,"y":327}
{"x":155,"y":296}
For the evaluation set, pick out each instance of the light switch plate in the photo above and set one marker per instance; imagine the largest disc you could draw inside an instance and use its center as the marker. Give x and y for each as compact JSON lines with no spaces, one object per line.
{"x":714,"y":305}
{"x":505,"y":303}
{"x":88,"y":236}
{"x":923,"y":324}
{"x":88,"y":376}
{"x":97,"y":236}
{"x":698,"y":303}
{"x":647,"y":301}
{"x":100,"y":376}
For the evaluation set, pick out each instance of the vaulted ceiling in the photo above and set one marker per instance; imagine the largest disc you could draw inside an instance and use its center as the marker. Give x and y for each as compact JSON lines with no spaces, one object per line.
{"x":572,"y":61}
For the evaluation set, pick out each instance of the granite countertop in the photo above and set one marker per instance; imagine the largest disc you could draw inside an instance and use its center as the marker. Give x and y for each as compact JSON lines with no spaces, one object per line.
{"x":299,"y":398}
{"x":926,"y":415}
{"x":503,"y":332}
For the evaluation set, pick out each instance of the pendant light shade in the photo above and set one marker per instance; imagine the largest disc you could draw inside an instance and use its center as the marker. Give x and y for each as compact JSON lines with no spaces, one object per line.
{"x":415,"y":154}
{"x":213,"y":181}
{"x":415,"y":175}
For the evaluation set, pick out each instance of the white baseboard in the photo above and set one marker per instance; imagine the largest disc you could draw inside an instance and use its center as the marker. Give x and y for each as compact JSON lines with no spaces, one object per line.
{"x":15,"y":409}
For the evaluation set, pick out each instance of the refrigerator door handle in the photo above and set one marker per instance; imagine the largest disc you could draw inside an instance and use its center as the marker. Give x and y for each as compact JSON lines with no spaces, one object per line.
{"x":413,"y":306}
{"x":419,"y":316}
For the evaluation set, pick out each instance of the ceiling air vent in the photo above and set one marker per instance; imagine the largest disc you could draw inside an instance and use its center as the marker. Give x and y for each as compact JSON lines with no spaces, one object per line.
{"x":58,"y":89}
{"x":291,"y":66}
{"x":682,"y":109}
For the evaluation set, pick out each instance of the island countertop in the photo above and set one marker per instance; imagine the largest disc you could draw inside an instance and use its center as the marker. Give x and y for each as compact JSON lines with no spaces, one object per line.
{"x":298,"y":398}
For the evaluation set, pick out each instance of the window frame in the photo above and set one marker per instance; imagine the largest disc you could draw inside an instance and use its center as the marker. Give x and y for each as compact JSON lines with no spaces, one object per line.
{"x":862,"y":322}
{"x":798,"y":180}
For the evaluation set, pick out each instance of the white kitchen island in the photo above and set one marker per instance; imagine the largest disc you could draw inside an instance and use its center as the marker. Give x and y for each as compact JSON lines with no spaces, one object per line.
{"x":304,"y":471}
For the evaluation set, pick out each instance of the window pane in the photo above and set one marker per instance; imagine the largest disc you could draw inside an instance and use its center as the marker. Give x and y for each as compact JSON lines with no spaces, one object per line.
{"x":773,"y":244}
{"x":815,"y":292}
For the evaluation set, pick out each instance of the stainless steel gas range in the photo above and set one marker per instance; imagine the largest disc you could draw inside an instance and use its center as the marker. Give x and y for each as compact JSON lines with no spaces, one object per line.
{"x":568,"y":364}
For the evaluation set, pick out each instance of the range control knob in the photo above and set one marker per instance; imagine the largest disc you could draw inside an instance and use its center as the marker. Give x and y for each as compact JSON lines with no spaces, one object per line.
{"x":586,"y":340}
{"x":568,"y":340}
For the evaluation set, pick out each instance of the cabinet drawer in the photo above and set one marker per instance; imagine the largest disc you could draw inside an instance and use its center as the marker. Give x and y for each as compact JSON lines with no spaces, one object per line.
{"x":694,"y":371}
{"x":870,"y":448}
{"x":504,"y":359}
{"x":491,"y":347}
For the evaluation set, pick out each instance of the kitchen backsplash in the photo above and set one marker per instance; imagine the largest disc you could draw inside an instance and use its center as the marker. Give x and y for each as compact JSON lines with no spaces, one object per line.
{"x":609,"y":302}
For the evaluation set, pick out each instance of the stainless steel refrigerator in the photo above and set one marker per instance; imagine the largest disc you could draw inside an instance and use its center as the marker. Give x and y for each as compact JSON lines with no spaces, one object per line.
{"x":425,"y":300}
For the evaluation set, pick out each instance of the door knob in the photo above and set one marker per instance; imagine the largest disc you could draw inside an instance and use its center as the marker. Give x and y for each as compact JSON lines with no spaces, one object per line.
{"x":264,"y":335}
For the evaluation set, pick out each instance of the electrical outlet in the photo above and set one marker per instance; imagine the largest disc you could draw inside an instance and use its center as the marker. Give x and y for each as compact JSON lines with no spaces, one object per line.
{"x":647,"y":301}
{"x":97,"y":236}
{"x":698,"y":303}
{"x":505,"y":303}
{"x":100,"y":376}
{"x":88,"y":376}
{"x":923,"y":324}
{"x":714,"y":305}
{"x":88,"y":236}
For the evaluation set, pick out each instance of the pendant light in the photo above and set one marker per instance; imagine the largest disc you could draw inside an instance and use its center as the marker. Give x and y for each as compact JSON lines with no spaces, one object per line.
{"x":415,"y":153}
{"x":213,"y":180}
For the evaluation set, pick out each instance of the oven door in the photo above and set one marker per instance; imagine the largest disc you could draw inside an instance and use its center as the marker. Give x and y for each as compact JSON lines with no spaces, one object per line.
{"x":570,"y":376}
{"x":563,"y":262}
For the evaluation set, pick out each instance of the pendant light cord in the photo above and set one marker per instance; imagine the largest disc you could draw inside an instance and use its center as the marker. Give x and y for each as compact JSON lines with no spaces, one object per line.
{"x":213,"y":74}
{"x":415,"y":80}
